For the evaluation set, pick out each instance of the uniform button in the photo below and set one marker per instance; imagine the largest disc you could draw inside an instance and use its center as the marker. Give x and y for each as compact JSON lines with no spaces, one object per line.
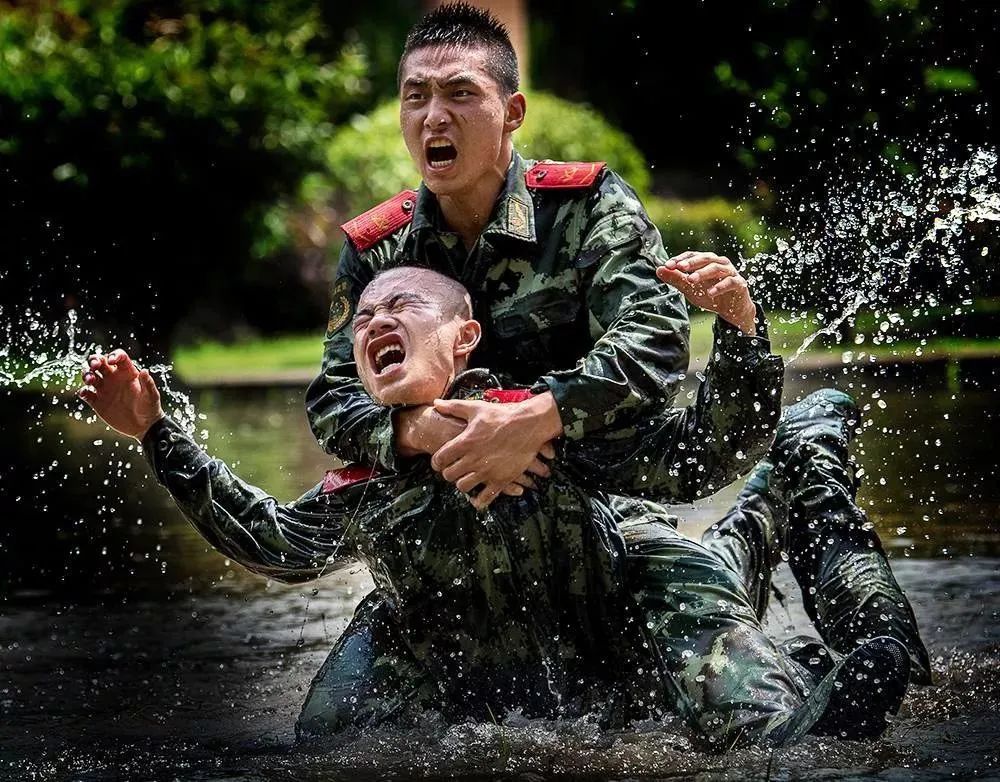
{"x":541,"y":175}
{"x":163,"y":445}
{"x":407,"y":205}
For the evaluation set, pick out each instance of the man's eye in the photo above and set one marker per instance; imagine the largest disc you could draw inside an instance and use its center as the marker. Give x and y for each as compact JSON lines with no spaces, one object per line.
{"x":462,"y":93}
{"x":412,"y":96}
{"x":360,"y":323}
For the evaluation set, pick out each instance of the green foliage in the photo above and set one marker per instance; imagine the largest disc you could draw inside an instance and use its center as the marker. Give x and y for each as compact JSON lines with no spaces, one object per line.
{"x":714,"y":224}
{"x":258,"y":73}
{"x":166,"y":132}
{"x":949,"y":80}
{"x":367,"y":160}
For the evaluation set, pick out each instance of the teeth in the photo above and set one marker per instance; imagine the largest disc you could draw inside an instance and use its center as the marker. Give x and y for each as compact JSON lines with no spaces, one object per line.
{"x":438,"y":143}
{"x":386,"y":349}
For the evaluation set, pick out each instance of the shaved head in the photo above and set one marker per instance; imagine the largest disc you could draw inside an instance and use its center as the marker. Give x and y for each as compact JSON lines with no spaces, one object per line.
{"x":449,"y":294}
{"x":413,"y":334}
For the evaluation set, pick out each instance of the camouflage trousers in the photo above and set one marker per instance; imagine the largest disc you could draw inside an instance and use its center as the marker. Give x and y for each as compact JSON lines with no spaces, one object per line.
{"x":701,"y":605}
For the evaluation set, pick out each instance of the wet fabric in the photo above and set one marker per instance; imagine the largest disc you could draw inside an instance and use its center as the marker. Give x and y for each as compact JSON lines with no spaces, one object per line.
{"x":799,"y":504}
{"x":564,"y":285}
{"x":527,"y":600}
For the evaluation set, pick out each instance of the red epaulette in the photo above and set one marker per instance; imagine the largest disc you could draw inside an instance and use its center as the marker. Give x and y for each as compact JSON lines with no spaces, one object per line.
{"x":335,"y":480}
{"x":368,"y":229}
{"x":506,"y":395}
{"x":563,"y":176}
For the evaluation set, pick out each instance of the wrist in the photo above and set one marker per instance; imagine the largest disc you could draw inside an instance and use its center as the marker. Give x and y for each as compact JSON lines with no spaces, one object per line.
{"x":746,"y":319}
{"x":141,"y":434}
{"x":406,"y":428}
{"x":545,"y":415}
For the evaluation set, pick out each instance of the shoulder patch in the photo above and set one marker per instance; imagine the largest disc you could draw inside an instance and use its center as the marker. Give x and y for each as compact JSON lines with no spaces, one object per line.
{"x":368,"y":229}
{"x":562,"y":176}
{"x":341,"y":310}
{"x":336,"y":480}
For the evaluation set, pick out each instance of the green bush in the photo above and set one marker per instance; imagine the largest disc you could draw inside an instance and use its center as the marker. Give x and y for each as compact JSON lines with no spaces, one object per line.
{"x":715,"y":224}
{"x":163,"y":133}
{"x":367,"y":160}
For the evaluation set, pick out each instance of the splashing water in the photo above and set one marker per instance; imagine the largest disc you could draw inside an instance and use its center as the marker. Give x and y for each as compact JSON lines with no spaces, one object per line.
{"x":865,"y":242}
{"x":29,"y":357}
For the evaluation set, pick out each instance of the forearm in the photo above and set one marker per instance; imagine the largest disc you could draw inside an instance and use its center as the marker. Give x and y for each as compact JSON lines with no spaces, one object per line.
{"x":687,"y":453}
{"x":294,"y":542}
{"x":636,"y":364}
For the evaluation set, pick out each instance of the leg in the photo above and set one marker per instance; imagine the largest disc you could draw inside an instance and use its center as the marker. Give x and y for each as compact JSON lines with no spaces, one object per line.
{"x":369,"y":678}
{"x":720,"y":671}
{"x":801,"y":501}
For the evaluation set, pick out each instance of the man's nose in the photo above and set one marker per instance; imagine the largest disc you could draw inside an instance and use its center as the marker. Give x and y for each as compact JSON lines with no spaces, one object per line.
{"x":380,"y":324}
{"x":438,"y":115}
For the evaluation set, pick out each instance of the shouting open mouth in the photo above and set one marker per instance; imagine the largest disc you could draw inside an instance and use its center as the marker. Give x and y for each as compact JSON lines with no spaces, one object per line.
{"x":385,"y":354}
{"x":440,"y":152}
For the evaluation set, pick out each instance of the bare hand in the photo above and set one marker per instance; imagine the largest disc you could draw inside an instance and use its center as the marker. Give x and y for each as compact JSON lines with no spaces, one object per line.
{"x":711,"y":282}
{"x":126,"y":399}
{"x":499,"y":447}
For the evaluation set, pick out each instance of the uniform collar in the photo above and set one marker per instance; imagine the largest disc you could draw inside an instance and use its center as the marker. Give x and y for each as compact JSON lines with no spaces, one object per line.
{"x":513,"y":214}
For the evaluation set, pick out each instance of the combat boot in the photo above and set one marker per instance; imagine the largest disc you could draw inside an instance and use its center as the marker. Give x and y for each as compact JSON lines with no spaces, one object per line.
{"x":848,"y":588}
{"x":856,"y":699}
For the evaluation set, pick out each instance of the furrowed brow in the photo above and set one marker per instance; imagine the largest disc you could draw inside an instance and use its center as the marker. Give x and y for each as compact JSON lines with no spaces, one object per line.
{"x":458,"y":80}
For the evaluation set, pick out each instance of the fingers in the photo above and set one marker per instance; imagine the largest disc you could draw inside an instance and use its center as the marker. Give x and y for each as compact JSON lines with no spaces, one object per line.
{"x":513,"y":490}
{"x":672,"y":277}
{"x":548,"y":451}
{"x":457,"y":408}
{"x":711,"y":272}
{"x":672,"y":262}
{"x":468,"y":482}
{"x":87,"y":395}
{"x":485,"y":498}
{"x":524,"y":481}
{"x":456,"y":470}
{"x":539,"y":468}
{"x":728,"y":285}
{"x":149,"y":385}
{"x":120,"y":360}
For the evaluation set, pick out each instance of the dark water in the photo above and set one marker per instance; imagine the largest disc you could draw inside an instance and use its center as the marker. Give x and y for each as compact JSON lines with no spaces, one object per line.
{"x":129,"y":650}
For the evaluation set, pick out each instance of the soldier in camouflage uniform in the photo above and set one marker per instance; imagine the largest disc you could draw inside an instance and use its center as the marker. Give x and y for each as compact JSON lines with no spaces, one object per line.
{"x":525,"y":608}
{"x":561,"y":261}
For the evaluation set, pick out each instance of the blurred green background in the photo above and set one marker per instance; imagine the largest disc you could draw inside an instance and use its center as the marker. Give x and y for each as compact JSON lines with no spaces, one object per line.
{"x":178,"y":170}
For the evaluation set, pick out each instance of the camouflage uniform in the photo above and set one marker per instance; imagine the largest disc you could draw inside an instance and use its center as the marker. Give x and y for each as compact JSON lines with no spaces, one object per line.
{"x":467,"y":616}
{"x":562,"y":279}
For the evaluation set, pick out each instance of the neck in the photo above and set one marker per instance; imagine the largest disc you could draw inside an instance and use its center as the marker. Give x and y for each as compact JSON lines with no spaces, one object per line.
{"x":468,"y":212}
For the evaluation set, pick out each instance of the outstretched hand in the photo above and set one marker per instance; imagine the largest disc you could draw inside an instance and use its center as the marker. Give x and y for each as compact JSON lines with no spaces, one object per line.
{"x":711,"y":282}
{"x":124,"y":397}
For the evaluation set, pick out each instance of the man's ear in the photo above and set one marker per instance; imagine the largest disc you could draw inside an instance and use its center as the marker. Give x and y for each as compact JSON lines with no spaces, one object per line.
{"x":516,"y":109}
{"x":468,"y":337}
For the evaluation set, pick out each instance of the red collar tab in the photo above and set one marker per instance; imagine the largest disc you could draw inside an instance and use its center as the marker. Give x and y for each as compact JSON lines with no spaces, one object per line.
{"x":563,"y":176}
{"x":504,"y":395}
{"x":335,"y":480}
{"x":370,"y":228}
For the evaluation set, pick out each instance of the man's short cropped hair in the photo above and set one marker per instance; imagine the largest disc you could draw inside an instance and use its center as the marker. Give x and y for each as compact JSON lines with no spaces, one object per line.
{"x":461,"y":24}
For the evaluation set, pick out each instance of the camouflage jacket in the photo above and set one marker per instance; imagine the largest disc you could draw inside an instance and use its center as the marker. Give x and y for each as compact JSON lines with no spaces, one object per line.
{"x":562,"y":280}
{"x":524,"y":601}
{"x":527,"y":599}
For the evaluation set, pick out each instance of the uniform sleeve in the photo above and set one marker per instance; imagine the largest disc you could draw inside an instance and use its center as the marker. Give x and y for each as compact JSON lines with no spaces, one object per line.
{"x":296,"y":542}
{"x":640,"y":326}
{"x":691,"y":452}
{"x":347,"y":422}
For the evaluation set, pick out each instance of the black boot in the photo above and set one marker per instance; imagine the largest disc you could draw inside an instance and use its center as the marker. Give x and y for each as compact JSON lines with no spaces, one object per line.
{"x":809,"y":484}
